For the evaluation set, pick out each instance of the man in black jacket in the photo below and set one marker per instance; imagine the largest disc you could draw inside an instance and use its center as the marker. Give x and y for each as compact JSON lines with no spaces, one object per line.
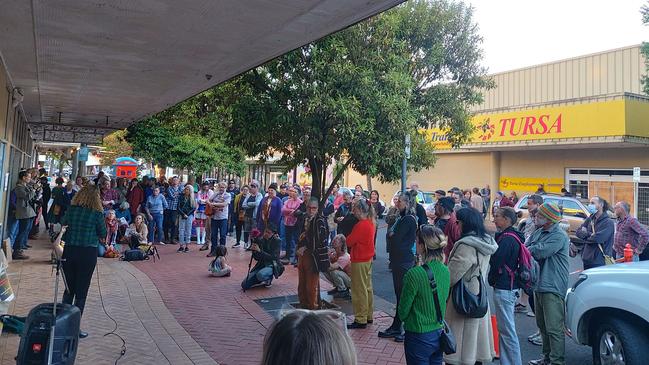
{"x":422,"y":218}
{"x":344,"y":217}
{"x":265,"y":250}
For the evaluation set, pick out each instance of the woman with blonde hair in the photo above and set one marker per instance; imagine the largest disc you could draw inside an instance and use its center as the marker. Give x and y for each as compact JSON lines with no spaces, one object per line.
{"x":421,"y":309}
{"x":306,"y":337}
{"x":85,"y":228}
{"x":186,"y":208}
{"x":139,"y":228}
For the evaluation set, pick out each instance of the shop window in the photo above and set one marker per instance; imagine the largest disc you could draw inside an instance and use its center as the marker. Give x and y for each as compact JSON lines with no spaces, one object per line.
{"x":579,"y":188}
{"x":612,"y":172}
{"x":579,"y":172}
{"x":643,"y":203}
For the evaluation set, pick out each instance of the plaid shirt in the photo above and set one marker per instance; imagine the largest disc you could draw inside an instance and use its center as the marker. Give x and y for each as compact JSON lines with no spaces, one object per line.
{"x":173,"y":194}
{"x":630,"y":231}
{"x":85,"y":227}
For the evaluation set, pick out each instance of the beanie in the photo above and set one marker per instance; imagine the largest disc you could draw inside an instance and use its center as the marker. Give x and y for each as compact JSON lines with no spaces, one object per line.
{"x":551,"y":211}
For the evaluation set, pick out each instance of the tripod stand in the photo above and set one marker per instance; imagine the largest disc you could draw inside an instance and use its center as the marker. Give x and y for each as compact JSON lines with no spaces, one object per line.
{"x":59,"y":272}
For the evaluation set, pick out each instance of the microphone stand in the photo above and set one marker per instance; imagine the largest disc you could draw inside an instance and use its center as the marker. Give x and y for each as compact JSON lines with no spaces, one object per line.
{"x":50,"y":347}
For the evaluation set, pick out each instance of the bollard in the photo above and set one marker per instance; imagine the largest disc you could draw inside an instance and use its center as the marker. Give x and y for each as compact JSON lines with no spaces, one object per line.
{"x":628,"y":253}
{"x":494,"y":326}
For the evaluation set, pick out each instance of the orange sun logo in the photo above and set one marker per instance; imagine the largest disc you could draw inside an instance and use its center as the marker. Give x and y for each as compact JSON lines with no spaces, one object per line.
{"x":487,"y":129}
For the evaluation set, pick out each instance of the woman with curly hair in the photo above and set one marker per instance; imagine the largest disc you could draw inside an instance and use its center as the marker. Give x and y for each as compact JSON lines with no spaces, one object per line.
{"x":85,"y":228}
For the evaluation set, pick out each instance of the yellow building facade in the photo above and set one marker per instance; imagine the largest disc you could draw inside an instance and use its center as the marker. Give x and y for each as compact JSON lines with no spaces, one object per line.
{"x":581,"y":123}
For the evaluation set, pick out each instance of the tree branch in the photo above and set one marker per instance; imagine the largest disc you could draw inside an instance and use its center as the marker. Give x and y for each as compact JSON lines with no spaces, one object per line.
{"x":334,"y":181}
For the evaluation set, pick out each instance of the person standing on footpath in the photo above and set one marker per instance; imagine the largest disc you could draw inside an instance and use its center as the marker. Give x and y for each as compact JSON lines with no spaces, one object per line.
{"x":203,"y":198}
{"x":25,"y":214}
{"x":155,"y":206}
{"x":476,"y":200}
{"x":421,"y":308}
{"x":135,"y":197}
{"x":251,"y":208}
{"x":220,"y":203}
{"x":85,"y":228}
{"x":233,"y":191}
{"x":291,"y":229}
{"x":270,"y":209}
{"x":240,"y":215}
{"x":172,"y":194}
{"x":597,"y":231}
{"x":503,"y":264}
{"x":629,"y":231}
{"x":361,"y":244}
{"x":468,"y":261}
{"x":401,"y":238}
{"x":446,"y":221}
{"x":549,"y":245}
{"x":186,"y":209}
{"x":312,"y":255}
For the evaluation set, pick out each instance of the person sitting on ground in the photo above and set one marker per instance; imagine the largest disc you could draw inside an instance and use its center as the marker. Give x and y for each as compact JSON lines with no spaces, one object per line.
{"x":265,"y":250}
{"x":219,"y":266}
{"x":340,"y":270}
{"x":306,"y":337}
{"x":124,"y":211}
{"x":139,"y":229}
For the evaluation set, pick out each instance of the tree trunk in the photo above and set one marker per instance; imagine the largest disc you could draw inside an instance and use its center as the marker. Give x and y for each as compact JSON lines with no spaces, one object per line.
{"x":369,"y":182}
{"x":316,"y":177}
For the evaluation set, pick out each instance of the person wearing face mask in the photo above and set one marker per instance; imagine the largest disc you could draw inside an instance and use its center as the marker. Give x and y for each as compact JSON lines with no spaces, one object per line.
{"x":549,"y":246}
{"x":597,"y":231}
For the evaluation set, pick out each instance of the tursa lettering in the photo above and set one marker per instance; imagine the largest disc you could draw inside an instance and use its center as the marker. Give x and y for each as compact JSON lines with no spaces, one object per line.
{"x":530,"y":125}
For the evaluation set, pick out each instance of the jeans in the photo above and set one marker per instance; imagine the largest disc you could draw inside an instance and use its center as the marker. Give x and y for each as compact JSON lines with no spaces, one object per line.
{"x":219,"y":233}
{"x":282,"y":232}
{"x":504,"y":302}
{"x":185,"y":230}
{"x":24,"y":226}
{"x":12,"y":229}
{"x":78,"y":267}
{"x":257,"y":276}
{"x":423,"y":348}
{"x":550,"y":318}
{"x":156,"y":224}
{"x":170,"y":224}
{"x":291,"y":240}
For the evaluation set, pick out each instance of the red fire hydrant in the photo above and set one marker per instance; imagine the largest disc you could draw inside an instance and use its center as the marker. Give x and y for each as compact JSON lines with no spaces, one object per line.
{"x":628,"y":253}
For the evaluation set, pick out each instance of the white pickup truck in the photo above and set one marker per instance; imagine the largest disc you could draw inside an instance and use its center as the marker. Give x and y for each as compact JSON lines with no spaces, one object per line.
{"x":608,"y":309}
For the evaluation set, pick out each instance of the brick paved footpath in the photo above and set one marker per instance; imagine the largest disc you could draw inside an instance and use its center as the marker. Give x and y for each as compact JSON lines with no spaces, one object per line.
{"x":226,"y":322}
{"x":173,"y":312}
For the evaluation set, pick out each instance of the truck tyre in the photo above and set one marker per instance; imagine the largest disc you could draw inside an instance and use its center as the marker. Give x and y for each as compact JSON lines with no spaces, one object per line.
{"x":617,"y":341}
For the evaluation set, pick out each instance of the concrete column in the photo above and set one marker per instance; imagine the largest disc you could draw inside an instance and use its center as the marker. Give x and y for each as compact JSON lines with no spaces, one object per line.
{"x":75,"y":164}
{"x":82,"y":164}
{"x":494,"y":176}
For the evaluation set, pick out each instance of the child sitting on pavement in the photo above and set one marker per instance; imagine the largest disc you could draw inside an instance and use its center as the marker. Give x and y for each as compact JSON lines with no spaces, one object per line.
{"x":219,"y":266}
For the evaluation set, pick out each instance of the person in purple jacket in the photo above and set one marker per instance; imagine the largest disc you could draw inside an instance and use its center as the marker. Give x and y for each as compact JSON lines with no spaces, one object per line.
{"x":270,"y":209}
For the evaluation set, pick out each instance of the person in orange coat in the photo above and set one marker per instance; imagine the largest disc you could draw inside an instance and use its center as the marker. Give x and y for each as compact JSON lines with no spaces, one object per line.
{"x":361,"y":244}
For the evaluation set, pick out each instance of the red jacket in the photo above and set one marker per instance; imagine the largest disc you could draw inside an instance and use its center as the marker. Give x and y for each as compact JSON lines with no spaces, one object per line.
{"x":361,"y":241}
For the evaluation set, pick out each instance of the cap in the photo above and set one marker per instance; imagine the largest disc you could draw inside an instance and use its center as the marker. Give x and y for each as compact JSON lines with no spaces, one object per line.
{"x":440,"y":192}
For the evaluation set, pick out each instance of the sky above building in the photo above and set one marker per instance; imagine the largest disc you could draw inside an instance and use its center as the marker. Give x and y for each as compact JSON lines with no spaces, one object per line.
{"x":521,"y":33}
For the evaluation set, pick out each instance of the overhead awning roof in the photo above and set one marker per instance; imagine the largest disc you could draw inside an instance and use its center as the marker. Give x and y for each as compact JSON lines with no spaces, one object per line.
{"x":87,"y":67}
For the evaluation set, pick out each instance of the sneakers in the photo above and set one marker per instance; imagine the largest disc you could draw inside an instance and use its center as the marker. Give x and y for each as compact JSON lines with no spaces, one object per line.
{"x":520,"y":308}
{"x":389,"y":333}
{"x":19,"y":255}
{"x":542,"y":361}
{"x":204,"y":247}
{"x":268,"y":283}
{"x":160,"y":243}
{"x":186,"y":249}
{"x":535,"y":339}
{"x":531,"y":314}
{"x":180,"y":249}
{"x":341,"y":294}
{"x":237,"y":244}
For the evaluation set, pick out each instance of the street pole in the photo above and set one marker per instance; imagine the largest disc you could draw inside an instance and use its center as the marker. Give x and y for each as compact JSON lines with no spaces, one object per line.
{"x":404,"y":163}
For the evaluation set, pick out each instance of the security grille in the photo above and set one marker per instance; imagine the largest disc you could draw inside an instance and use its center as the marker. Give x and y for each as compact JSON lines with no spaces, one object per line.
{"x":643,"y":203}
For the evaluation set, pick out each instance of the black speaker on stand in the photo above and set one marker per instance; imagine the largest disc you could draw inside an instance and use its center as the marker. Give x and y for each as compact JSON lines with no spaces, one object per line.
{"x":51,"y":334}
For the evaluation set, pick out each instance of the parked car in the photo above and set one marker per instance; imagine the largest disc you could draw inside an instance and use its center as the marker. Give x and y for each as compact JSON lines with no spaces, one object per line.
{"x":606,"y":309}
{"x":425,"y":198}
{"x":574,"y":212}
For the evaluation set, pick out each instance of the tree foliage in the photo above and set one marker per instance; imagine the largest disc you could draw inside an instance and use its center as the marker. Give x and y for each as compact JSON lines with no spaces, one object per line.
{"x":190,"y":135}
{"x":115,"y":145}
{"x":353,"y":96}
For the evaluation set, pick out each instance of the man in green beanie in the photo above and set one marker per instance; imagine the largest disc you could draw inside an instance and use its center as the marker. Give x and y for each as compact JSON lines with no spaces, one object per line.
{"x":549,"y":246}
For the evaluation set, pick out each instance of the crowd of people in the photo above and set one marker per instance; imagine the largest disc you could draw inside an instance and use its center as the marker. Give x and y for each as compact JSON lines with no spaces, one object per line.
{"x":438,"y":256}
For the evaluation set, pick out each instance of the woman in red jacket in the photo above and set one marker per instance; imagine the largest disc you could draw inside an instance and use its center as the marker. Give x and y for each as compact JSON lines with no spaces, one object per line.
{"x":361,"y":244}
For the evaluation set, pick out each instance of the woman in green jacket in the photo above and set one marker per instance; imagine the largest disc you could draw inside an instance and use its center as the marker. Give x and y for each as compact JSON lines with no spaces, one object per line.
{"x":417,"y":305}
{"x":85,"y":228}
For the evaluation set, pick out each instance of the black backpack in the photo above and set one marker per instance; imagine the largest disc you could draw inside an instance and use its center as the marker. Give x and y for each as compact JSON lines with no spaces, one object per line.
{"x":134,"y":255}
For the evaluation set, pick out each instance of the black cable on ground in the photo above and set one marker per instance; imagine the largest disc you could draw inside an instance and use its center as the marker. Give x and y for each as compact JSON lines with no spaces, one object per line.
{"x":111,"y":333}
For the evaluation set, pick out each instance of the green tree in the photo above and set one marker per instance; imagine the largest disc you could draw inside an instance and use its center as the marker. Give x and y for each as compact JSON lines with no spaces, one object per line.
{"x":644,"y":11}
{"x":190,"y":135}
{"x":357,"y":94}
{"x":114,"y":146}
